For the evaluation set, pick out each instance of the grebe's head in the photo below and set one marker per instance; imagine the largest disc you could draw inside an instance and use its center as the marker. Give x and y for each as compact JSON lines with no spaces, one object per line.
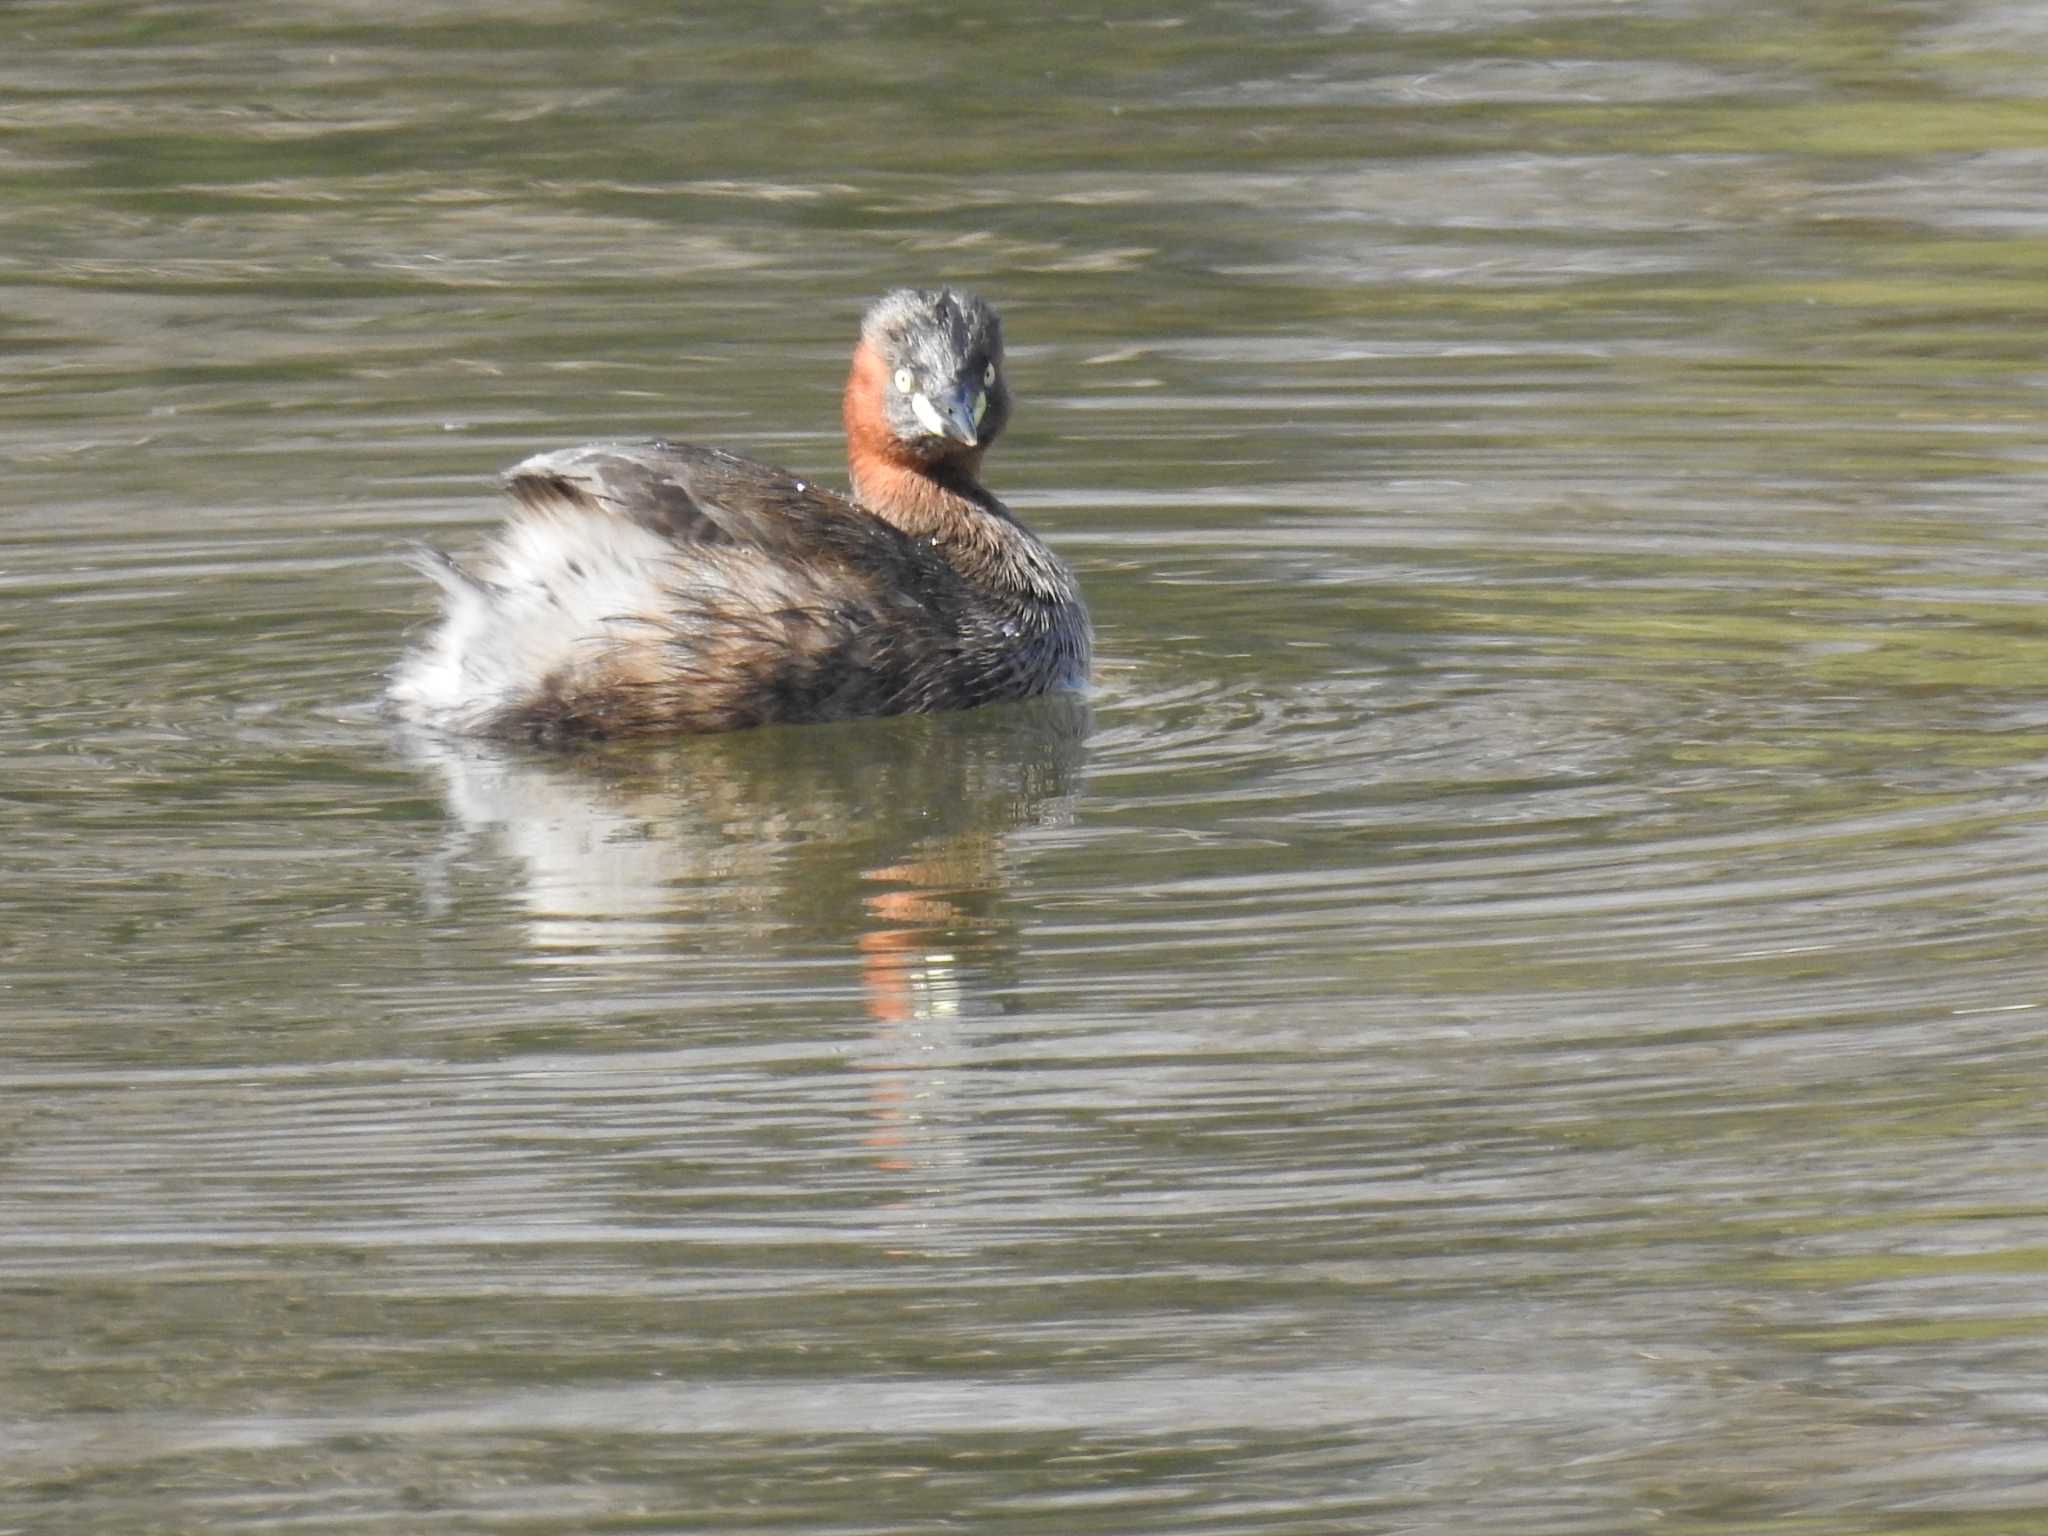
{"x":941,"y":353}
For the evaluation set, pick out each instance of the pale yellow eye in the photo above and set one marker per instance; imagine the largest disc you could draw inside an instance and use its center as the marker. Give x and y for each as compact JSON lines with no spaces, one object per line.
{"x":988,"y":374}
{"x":906,"y":381}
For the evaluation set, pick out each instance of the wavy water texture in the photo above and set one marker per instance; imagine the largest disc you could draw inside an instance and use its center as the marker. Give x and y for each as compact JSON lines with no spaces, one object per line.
{"x":1514,"y":1004}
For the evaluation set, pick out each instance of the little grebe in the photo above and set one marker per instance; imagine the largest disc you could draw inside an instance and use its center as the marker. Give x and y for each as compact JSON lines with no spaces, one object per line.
{"x":659,"y":586}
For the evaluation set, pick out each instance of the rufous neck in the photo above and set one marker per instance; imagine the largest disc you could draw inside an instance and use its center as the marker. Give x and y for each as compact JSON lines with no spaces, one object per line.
{"x":944,"y":501}
{"x":892,"y":482}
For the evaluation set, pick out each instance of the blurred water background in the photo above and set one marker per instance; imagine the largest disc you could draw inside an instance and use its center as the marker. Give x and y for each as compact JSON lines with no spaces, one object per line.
{"x":1515,"y":1005}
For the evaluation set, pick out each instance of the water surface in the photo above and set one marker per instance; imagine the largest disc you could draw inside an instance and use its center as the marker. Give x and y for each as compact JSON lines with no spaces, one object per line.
{"x":1513,"y":1006}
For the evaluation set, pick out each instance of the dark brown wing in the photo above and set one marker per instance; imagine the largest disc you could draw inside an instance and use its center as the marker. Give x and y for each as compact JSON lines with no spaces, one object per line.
{"x":699,"y":496}
{"x":707,"y":498}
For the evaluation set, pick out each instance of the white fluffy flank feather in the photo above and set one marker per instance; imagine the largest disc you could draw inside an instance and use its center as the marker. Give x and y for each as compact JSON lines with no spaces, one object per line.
{"x":545,"y":598}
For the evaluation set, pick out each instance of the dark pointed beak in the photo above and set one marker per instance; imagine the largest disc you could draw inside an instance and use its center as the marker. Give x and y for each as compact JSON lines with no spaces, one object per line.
{"x":953,"y":413}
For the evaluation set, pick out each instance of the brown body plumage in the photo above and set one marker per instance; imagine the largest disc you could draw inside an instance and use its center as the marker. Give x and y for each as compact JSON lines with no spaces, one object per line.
{"x":648,"y":587}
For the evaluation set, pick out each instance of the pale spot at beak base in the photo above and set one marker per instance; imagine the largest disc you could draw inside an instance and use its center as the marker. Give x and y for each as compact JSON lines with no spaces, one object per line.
{"x":927,"y":415}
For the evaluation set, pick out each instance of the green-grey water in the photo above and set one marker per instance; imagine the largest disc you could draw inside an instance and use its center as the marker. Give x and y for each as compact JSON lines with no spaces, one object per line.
{"x":1515,"y":1005}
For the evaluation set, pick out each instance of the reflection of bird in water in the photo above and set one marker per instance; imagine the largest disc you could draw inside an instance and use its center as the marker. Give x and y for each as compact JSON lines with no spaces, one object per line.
{"x":850,"y":877}
{"x":885,"y":837}
{"x":650,"y":587}
{"x":855,"y":875}
{"x":875,"y":854}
